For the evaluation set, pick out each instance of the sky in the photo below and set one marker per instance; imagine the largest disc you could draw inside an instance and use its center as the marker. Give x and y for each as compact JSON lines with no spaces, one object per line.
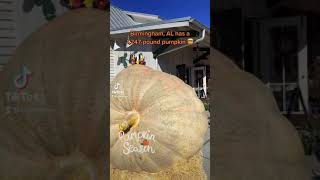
{"x":169,"y":9}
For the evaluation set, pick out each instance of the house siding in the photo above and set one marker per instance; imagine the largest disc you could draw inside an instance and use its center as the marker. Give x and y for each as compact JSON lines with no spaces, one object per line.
{"x":112,"y":64}
{"x":168,"y":62}
{"x":116,"y":68}
{"x":28,"y":23}
{"x":8,"y":34}
{"x":16,"y":25}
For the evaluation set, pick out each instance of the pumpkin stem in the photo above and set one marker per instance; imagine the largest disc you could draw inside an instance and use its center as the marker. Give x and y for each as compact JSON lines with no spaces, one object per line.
{"x":132,"y":120}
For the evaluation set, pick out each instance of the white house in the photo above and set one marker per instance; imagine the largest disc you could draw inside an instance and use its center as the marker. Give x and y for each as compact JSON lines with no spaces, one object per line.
{"x":185,"y":61}
{"x":188,"y":61}
{"x":17,"y":23}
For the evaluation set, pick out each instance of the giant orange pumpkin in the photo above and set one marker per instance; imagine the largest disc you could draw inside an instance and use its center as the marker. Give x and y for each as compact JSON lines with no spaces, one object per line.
{"x":153,"y":106}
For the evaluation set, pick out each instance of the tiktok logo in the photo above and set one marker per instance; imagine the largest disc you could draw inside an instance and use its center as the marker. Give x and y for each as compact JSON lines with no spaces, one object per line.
{"x":117,"y":90}
{"x":116,"y":86}
{"x":22,"y":80}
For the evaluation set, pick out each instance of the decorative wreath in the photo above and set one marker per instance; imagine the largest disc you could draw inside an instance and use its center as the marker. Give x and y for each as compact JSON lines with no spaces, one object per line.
{"x":48,"y":9}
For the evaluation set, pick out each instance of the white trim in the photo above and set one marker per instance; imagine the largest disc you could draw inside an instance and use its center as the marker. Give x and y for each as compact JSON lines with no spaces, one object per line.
{"x":197,"y":41}
{"x":143,"y":15}
{"x":292,"y":113}
{"x":303,"y":60}
{"x":195,"y":86}
{"x":197,"y":25}
{"x":302,"y":81}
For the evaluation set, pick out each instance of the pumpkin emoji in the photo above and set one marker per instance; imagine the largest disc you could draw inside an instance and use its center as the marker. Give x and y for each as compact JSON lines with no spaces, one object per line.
{"x":148,"y":105}
{"x":189,"y":41}
{"x":145,"y":142}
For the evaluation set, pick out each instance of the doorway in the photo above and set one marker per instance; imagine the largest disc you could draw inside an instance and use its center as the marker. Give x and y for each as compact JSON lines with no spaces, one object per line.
{"x":280,"y":59}
{"x":199,"y":81}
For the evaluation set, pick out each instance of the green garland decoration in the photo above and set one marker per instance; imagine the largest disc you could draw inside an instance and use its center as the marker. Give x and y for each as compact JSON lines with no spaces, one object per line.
{"x":47,"y":6}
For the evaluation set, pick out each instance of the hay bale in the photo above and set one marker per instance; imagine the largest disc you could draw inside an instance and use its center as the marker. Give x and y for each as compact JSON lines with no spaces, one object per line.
{"x":191,"y":169}
{"x":252,"y":139}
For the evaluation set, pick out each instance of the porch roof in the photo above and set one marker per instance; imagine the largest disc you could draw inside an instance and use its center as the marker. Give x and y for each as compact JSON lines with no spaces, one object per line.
{"x":119,"y":19}
{"x":164,"y":24}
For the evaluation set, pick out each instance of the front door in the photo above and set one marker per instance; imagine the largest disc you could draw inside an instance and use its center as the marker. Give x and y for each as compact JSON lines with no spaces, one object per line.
{"x":282,"y":59}
{"x":199,"y":81}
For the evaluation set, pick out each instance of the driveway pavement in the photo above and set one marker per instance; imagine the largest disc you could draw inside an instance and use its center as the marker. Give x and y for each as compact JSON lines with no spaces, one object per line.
{"x":206,"y":154}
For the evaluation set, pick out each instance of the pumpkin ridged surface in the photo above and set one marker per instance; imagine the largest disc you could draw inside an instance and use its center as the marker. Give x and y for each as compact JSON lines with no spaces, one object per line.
{"x":167,"y":108}
{"x":252,"y":139}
